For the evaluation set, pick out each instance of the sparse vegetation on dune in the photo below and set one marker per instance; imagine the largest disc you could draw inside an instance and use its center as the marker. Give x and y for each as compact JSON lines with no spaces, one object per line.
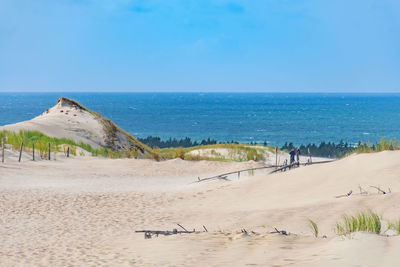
{"x":395,"y":226}
{"x":236,"y":152}
{"x":41,"y":142}
{"x":383,"y":145}
{"x":362,"y":222}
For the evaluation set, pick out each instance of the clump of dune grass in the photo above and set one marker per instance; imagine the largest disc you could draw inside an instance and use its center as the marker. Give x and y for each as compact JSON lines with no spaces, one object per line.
{"x":395,"y":226}
{"x":383,"y":145}
{"x":362,"y":222}
{"x":41,"y":141}
{"x":314,"y":227}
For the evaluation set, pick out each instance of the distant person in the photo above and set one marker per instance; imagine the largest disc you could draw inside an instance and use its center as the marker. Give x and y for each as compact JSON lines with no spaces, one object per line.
{"x":292,"y":153}
{"x":298,"y":155}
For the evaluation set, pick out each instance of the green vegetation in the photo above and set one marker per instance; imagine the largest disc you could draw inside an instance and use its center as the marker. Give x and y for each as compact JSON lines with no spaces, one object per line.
{"x":364,"y":221}
{"x":314,"y":227}
{"x":236,"y":152}
{"x":383,"y":145}
{"x":41,"y":142}
{"x":395,"y":226}
{"x":154,"y":142}
{"x":327,"y":150}
{"x":332,"y":150}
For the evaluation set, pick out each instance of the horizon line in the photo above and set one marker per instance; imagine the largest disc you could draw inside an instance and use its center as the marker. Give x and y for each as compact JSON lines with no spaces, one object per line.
{"x":208,"y":92}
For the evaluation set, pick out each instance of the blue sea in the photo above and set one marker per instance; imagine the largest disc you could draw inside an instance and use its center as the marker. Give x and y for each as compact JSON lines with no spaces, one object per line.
{"x":243,"y":117}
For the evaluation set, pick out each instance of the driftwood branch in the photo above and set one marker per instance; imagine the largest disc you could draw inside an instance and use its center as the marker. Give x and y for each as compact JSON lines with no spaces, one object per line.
{"x":182,"y":227}
{"x":224,"y":176}
{"x":362,"y":191}
{"x":380,"y":190}
{"x":283,"y":168}
{"x":282,"y":232}
{"x":149,"y":233}
{"x":346,"y":195}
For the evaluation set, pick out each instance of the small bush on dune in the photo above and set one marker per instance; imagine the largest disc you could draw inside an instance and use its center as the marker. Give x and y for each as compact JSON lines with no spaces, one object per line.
{"x":155,"y":154}
{"x":180,"y":153}
{"x":365,"y":222}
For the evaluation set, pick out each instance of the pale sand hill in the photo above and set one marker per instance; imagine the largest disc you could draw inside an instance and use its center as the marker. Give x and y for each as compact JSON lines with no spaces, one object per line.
{"x":269,"y":157}
{"x":83,"y":212}
{"x":71,"y":120}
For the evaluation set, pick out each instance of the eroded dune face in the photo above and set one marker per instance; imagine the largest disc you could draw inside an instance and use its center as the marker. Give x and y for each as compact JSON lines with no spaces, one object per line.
{"x":71,"y":120}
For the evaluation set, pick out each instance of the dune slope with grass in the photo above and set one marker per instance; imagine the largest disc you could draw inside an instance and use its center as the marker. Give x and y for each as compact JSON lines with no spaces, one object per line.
{"x":84,"y":212}
{"x":68,"y":119}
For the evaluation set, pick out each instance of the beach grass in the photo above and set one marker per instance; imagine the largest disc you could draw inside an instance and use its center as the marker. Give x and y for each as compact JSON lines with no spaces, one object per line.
{"x":395,"y":226}
{"x":41,"y":142}
{"x":314,"y":227}
{"x":362,"y":222}
{"x":383,"y":145}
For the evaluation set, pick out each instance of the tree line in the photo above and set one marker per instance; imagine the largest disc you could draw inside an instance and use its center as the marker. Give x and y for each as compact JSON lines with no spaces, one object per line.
{"x":154,"y":141}
{"x":326,"y":150}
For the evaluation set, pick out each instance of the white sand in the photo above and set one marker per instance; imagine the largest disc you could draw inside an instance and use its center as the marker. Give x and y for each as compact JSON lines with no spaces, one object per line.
{"x":84,"y":211}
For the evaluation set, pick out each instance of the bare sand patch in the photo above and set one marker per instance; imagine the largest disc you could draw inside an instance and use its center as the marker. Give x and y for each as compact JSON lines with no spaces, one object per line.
{"x":84,"y":212}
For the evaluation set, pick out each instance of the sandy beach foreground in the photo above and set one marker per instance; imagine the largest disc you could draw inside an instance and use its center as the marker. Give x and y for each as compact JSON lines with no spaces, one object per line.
{"x":84,"y":212}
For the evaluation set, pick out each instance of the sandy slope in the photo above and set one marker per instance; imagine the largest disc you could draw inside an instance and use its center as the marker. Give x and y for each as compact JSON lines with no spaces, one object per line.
{"x":69,"y":119}
{"x":84,"y":212}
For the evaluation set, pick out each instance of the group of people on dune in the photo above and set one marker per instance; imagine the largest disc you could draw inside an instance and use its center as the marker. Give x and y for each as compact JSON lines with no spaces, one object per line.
{"x":294,"y":153}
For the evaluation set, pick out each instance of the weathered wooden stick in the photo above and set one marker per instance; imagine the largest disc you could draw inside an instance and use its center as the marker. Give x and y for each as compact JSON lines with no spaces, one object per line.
{"x":148,"y":233}
{"x":380,"y":190}
{"x":282,"y":232}
{"x":362,"y":191}
{"x":221,"y":176}
{"x":49,"y":151}
{"x":67,"y":152}
{"x":182,"y":227}
{"x":20,"y":151}
{"x":346,"y":195}
{"x":284,"y":167}
{"x":205,"y":228}
{"x":2,"y":149}
{"x":33,"y":151}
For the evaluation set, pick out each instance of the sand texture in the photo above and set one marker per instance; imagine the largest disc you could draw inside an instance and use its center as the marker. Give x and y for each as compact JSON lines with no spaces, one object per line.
{"x":84,"y":211}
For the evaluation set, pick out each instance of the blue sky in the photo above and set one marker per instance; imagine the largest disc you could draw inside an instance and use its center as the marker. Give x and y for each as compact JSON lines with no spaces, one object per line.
{"x":210,"y":45}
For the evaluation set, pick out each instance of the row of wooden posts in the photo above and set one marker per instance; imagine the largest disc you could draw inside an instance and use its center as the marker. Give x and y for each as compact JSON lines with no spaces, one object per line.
{"x":20,"y":151}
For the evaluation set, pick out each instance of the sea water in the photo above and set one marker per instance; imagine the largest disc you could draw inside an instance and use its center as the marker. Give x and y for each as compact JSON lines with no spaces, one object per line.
{"x":243,"y":117}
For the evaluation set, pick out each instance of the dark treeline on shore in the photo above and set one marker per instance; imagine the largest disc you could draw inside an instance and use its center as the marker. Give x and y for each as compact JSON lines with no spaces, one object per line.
{"x":329,"y":150}
{"x":326,"y":150}
{"x":154,"y":142}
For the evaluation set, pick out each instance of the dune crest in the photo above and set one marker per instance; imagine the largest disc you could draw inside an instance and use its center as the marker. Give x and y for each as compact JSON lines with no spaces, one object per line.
{"x":71,"y":120}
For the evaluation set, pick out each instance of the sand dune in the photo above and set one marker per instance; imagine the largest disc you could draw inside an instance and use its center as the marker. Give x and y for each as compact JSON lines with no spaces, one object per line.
{"x":84,"y":211}
{"x":69,"y":119}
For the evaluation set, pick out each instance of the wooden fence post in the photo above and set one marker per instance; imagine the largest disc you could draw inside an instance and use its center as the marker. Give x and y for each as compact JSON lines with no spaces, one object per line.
{"x":20,"y":151}
{"x":49,"y":151}
{"x":33,"y":151}
{"x":67,"y":152}
{"x":276,"y":157}
{"x":2,"y":149}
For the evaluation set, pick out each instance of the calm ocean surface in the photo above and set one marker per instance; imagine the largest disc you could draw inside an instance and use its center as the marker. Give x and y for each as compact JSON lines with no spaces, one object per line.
{"x":243,"y":117}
